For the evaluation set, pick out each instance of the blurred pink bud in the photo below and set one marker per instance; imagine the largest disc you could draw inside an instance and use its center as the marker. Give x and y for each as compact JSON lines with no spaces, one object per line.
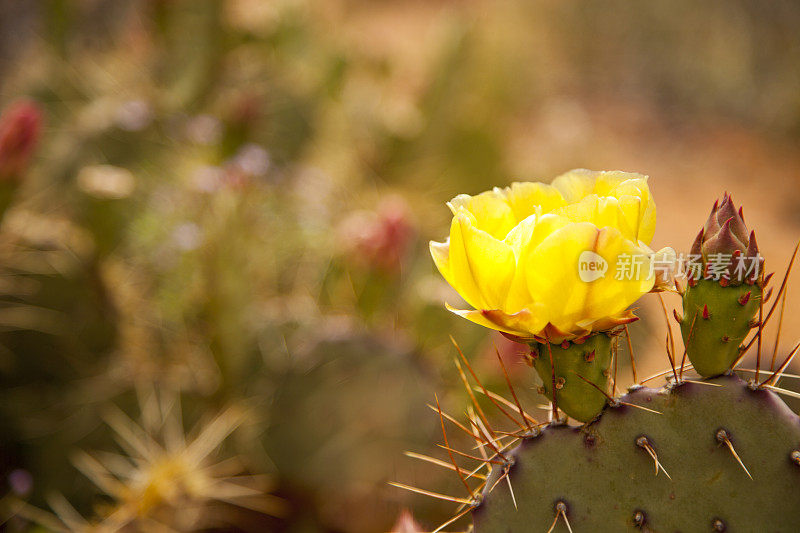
{"x":380,"y":239}
{"x":20,"y":129}
{"x":405,"y":523}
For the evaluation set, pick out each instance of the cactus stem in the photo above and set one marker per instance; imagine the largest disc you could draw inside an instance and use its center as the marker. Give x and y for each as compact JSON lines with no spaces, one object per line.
{"x":790,"y":393}
{"x":778,"y":297}
{"x":723,"y":438}
{"x":528,"y":418}
{"x":776,"y":375}
{"x":780,"y":327}
{"x":630,"y":351}
{"x":455,"y":422}
{"x":670,"y":342}
{"x":439,"y":462}
{"x":561,"y":510}
{"x":452,"y":459}
{"x":472,"y":397}
{"x":481,"y":436}
{"x":469,"y":456}
{"x":644,"y":443}
{"x":456,"y":517}
{"x":513,"y":393}
{"x":432,"y":494}
{"x":478,"y":381}
{"x":701,"y":383}
{"x":507,"y":475}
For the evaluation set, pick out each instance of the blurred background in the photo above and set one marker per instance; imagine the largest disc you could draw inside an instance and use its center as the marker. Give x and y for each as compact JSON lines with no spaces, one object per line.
{"x":217,"y":307}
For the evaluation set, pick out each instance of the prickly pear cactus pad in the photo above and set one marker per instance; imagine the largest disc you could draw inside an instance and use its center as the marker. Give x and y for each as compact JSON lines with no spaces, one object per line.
{"x":675,"y":471}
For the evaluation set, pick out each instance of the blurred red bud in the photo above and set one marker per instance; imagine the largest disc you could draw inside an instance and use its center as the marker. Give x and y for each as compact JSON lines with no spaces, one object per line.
{"x":380,"y":239}
{"x":20,"y":129}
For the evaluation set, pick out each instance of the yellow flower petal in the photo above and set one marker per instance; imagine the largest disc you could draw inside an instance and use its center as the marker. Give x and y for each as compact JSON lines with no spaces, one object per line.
{"x":529,"y":198}
{"x":440,"y":251}
{"x":519,"y":324}
{"x":575,"y":184}
{"x":603,"y":211}
{"x":481,"y":267}
{"x":490,"y":209}
{"x":554,"y":278}
{"x":525,"y":237}
{"x":633,"y":191}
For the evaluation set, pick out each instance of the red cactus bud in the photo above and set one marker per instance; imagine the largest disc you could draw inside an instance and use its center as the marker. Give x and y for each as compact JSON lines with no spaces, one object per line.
{"x":678,"y":317}
{"x":706,"y":314}
{"x":724,"y":241}
{"x":712,"y":225}
{"x":729,"y":253}
{"x":698,"y":242}
{"x":20,"y":128}
{"x":726,"y":212}
{"x":565,"y":344}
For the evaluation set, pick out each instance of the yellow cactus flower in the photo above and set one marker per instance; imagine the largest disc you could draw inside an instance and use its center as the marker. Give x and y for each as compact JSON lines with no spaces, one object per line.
{"x":552,"y":262}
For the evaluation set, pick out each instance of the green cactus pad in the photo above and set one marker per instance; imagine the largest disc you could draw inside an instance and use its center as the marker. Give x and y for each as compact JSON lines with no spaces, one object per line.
{"x":607,"y":482}
{"x":712,"y":343}
{"x":589,"y":360}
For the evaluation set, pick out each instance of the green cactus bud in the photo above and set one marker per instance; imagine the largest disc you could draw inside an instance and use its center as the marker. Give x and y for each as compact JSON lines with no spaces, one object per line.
{"x":579,"y":373}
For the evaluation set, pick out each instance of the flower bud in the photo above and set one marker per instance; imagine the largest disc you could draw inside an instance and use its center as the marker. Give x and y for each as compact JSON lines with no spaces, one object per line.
{"x":20,"y":128}
{"x":725,"y":250}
